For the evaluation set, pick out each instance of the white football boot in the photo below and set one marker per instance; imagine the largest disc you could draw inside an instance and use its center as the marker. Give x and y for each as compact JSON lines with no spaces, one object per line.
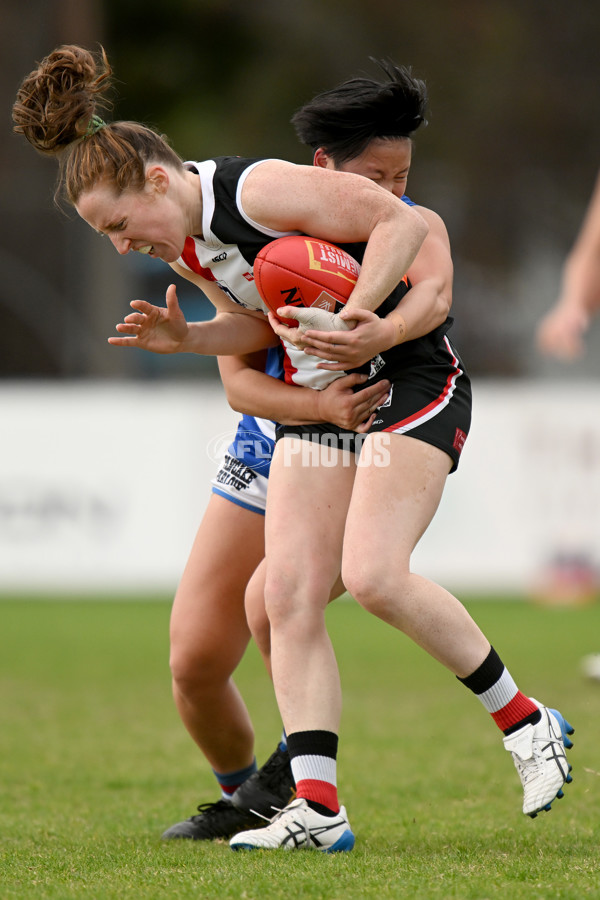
{"x":298,"y":827}
{"x":539,"y":755}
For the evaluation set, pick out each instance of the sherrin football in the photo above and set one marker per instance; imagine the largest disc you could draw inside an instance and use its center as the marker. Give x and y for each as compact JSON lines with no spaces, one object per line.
{"x":306,"y":272}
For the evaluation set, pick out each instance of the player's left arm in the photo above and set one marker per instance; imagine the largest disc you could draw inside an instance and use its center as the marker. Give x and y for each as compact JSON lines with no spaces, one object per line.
{"x":425,"y":306}
{"x":344,"y":402}
{"x":164,"y":329}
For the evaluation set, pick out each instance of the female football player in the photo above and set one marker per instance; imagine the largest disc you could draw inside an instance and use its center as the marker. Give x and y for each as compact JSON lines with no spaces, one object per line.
{"x":419,"y":432}
{"x":209,"y":632}
{"x":209,"y":220}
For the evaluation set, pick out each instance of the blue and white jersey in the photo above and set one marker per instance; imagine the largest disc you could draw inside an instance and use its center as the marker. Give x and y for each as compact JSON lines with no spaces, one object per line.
{"x":243,"y":475}
{"x":255,"y":437}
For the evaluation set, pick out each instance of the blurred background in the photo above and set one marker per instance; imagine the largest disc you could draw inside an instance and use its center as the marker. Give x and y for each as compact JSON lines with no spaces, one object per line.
{"x":509,"y":158}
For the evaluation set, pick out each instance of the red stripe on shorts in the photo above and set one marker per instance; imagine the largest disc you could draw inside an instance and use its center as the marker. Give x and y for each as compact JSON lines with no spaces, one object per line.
{"x":436,"y":405}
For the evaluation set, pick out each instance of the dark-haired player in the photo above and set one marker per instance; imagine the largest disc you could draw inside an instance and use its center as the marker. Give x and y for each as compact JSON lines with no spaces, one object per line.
{"x":364,"y":126}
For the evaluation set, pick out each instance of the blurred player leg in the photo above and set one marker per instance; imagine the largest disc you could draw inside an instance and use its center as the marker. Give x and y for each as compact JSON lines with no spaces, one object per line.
{"x":209,"y":633}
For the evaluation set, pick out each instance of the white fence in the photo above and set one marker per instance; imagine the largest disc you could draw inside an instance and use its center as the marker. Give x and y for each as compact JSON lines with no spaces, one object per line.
{"x":102,"y":485}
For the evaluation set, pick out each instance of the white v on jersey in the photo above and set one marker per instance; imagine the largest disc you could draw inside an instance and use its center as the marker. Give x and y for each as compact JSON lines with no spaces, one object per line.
{"x":229,"y":245}
{"x":230,"y":240}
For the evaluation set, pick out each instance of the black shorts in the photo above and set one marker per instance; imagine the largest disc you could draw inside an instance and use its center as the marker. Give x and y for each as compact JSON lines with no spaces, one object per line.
{"x":430,"y":400}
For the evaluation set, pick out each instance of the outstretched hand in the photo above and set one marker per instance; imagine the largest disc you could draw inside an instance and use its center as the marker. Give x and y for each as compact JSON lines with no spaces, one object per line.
{"x":156,"y":328}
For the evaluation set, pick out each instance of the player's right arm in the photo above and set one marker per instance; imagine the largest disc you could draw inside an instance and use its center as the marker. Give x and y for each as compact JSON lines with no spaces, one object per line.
{"x":343,"y":208}
{"x":425,"y":306}
{"x":250,"y":390}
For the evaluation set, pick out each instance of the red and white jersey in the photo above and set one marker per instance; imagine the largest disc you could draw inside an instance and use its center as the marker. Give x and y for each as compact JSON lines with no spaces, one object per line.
{"x":229,"y":244}
{"x":230,"y":240}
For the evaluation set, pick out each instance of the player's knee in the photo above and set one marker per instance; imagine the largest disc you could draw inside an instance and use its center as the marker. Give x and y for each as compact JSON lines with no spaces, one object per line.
{"x":278,"y":599}
{"x":370,"y":588}
{"x":292,"y":598}
{"x":194,"y":668}
{"x":258,"y":622}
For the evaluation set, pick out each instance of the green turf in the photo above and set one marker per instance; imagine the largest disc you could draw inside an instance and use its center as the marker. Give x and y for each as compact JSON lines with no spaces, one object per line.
{"x":94,"y":764}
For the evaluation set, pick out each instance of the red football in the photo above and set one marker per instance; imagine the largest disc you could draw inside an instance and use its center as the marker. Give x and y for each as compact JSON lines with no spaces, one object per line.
{"x":304,"y":271}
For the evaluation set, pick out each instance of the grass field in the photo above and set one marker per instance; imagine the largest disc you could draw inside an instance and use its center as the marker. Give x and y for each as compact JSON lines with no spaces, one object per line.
{"x":95,"y":764}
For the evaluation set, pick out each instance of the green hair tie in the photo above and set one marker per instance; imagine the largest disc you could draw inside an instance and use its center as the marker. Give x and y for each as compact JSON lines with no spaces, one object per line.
{"x":94,"y":125}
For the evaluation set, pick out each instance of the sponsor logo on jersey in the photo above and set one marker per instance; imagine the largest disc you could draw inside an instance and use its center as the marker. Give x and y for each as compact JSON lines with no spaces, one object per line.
{"x":377,"y":364}
{"x":235,"y":473}
{"x":388,"y":402}
{"x":219,"y":258}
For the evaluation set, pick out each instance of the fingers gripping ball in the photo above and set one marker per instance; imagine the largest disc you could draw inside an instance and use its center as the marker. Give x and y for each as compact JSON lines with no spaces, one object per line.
{"x":308,"y":273}
{"x":319,"y":319}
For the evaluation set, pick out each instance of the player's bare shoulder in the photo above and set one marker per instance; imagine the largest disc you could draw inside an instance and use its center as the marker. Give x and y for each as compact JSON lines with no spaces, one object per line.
{"x":437,"y":226}
{"x":272,"y":188}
